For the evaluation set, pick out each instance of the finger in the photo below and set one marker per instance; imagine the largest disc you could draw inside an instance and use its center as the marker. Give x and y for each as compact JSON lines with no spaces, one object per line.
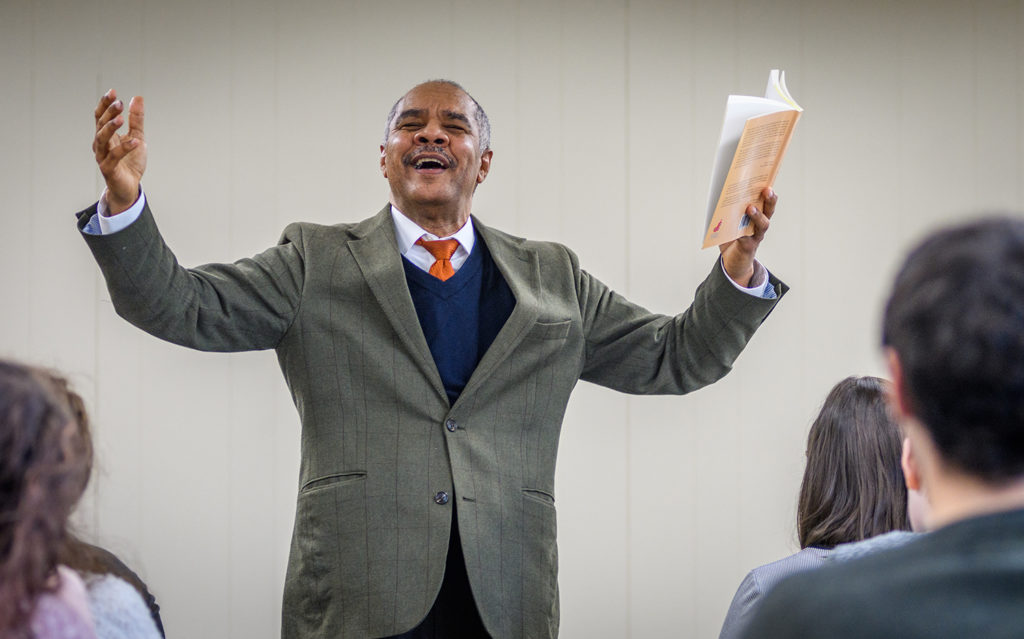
{"x":111,"y":112}
{"x":102,"y":143}
{"x":136,"y":117}
{"x":770,"y":198}
{"x":107,"y":99}
{"x":760,"y":222}
{"x":116,"y":154}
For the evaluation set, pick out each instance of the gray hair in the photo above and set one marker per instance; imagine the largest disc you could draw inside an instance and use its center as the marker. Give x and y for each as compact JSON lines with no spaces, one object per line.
{"x":482,"y":122}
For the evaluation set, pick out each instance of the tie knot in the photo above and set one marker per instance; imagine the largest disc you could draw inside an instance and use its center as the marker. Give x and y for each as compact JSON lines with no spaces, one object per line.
{"x":440,"y":249}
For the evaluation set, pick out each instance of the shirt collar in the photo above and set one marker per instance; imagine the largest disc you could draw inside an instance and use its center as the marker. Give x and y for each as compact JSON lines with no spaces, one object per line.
{"x":407,"y":232}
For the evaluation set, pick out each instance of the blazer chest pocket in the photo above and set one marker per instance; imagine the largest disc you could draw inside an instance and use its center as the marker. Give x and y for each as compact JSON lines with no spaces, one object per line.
{"x":550,"y":330}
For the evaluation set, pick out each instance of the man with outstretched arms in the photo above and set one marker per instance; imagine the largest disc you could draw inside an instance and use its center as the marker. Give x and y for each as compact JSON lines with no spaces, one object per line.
{"x":430,"y":358}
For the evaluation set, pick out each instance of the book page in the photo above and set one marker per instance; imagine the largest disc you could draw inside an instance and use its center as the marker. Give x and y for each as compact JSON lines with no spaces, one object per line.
{"x":777,"y":90}
{"x":738,"y":110}
{"x":754,"y":166}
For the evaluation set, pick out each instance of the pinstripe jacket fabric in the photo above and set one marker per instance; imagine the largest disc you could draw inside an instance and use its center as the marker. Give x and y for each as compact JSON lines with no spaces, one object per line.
{"x":380,"y":442}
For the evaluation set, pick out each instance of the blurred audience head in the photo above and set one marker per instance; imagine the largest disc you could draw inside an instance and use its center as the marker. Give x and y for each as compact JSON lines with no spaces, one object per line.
{"x":954,"y":331}
{"x":44,"y":465}
{"x":853,"y":485}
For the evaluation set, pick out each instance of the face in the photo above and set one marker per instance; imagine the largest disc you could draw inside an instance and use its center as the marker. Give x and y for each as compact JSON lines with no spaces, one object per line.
{"x":432,"y":156}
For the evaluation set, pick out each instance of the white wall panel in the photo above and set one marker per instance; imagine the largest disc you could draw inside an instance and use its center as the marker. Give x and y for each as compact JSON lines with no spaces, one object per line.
{"x":606,"y":115}
{"x":17,"y":159}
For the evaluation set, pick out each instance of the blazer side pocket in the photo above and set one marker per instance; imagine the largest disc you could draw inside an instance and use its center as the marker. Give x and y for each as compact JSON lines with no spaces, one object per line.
{"x":541,"y":496}
{"x":539,"y":560}
{"x":332,"y":480}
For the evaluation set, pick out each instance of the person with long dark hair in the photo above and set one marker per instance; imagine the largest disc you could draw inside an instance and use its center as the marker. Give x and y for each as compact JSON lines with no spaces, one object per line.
{"x":115,"y":594}
{"x":43,"y":467}
{"x":852,"y":488}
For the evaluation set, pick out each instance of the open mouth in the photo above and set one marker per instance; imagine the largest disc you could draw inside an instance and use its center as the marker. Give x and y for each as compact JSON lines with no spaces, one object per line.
{"x":430,"y":161}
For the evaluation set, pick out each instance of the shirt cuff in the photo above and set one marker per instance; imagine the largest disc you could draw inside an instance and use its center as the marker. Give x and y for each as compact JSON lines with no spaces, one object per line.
{"x":101,"y":224}
{"x":761,"y":285}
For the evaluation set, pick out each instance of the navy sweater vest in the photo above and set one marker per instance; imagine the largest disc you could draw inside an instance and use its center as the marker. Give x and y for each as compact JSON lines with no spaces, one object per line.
{"x":460,"y":318}
{"x":462,"y":315}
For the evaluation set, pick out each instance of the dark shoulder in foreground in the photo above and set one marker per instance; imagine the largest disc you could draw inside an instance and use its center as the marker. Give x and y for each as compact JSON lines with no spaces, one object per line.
{"x":964,"y":580}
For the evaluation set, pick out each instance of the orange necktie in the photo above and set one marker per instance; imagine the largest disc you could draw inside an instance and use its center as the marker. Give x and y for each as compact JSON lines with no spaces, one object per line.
{"x":442,"y":250}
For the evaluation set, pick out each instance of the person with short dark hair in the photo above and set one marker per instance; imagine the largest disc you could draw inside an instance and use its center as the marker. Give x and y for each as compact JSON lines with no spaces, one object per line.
{"x":852,"y":489}
{"x":953,"y":332}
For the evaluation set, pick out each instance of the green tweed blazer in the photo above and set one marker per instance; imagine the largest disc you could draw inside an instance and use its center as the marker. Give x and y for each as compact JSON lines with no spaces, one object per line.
{"x":379,"y":439}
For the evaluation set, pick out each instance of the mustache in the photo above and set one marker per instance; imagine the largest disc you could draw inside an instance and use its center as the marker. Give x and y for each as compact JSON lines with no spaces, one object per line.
{"x":409,"y":158}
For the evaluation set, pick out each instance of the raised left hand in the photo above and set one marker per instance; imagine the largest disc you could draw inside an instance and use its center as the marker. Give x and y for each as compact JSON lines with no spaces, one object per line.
{"x":120,"y":157}
{"x":738,"y":255}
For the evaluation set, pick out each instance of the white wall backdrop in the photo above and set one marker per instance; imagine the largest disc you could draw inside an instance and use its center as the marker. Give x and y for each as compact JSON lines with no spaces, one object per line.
{"x":605,"y":115}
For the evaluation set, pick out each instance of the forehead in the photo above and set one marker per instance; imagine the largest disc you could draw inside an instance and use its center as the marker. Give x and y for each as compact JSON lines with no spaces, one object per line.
{"x":436,"y":97}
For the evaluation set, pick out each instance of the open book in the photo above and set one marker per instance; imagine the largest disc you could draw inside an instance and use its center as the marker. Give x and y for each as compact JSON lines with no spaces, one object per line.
{"x":755,"y":134}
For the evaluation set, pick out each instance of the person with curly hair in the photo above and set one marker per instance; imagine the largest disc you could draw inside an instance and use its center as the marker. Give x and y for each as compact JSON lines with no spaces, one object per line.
{"x":43,"y":466}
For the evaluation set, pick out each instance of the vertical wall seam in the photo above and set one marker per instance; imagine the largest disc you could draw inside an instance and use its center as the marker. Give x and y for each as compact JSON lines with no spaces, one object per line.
{"x":561,"y":119}
{"x":627,"y":131}
{"x":233,"y":415}
{"x":517,"y":113}
{"x":975,"y":85}
{"x":32,"y":148}
{"x":140,"y":441}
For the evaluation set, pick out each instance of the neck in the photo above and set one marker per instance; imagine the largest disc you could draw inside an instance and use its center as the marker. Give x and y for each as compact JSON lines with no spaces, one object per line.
{"x":440,"y":220}
{"x":961,"y":497}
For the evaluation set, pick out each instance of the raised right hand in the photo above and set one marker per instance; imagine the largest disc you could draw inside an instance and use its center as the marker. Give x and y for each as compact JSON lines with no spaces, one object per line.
{"x":121,"y":158}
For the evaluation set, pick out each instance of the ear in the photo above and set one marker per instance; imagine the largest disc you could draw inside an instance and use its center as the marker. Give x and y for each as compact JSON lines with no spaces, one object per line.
{"x":898,"y":398}
{"x":383,"y":161}
{"x":485,"y":166}
{"x":911,"y":473}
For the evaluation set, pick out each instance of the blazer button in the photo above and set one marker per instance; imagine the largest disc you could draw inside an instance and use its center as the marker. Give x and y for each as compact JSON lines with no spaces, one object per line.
{"x":441,"y":498}
{"x":451,"y":425}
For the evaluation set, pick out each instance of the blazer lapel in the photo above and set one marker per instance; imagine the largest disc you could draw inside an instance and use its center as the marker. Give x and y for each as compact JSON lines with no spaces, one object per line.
{"x":521,"y":271}
{"x":376,"y":252}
